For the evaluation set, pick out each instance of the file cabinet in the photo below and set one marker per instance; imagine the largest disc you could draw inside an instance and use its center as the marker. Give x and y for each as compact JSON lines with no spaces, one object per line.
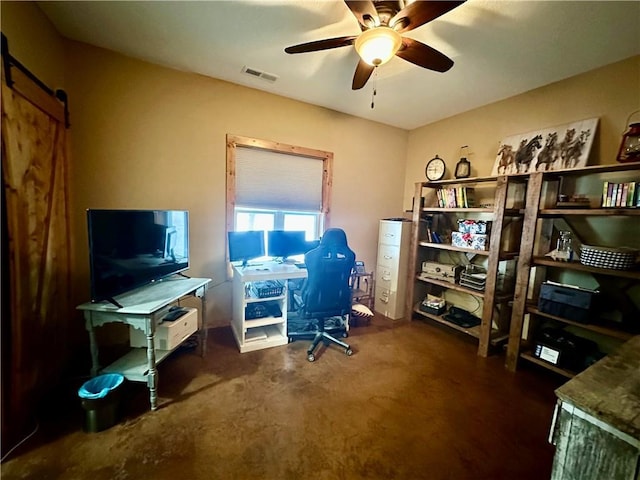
{"x":391,"y":270}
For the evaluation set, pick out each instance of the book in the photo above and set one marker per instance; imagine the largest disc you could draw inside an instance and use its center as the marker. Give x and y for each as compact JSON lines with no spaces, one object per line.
{"x":609,"y":194}
{"x":459,"y":199}
{"x":625,"y":192}
{"x":605,"y":189}
{"x":470,"y":197}
{"x":452,"y":198}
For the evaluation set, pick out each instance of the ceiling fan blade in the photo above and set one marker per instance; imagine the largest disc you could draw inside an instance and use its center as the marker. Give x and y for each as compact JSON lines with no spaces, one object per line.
{"x":363,"y":72}
{"x":365,"y":11}
{"x":423,"y":55}
{"x":325,"y":44}
{"x":418,"y":13}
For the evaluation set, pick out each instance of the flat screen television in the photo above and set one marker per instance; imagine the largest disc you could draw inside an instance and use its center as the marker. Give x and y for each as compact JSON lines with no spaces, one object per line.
{"x":132,"y":248}
{"x":245,"y":246}
{"x":286,"y":243}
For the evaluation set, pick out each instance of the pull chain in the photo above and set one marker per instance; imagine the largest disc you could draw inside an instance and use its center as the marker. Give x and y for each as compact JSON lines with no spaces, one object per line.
{"x":375,"y":86}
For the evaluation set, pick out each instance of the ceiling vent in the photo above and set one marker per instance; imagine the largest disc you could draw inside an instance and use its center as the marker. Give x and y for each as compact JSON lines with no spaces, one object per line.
{"x":270,"y":77}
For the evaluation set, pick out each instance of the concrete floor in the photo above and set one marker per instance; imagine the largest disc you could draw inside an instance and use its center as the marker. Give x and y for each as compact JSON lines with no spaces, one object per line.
{"x":413,"y":402}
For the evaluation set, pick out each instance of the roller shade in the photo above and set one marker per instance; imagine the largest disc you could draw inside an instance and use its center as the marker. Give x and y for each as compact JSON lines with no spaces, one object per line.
{"x":273,"y":180}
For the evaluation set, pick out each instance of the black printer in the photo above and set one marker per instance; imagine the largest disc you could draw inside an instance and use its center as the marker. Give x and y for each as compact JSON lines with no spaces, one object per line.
{"x":564,"y":349}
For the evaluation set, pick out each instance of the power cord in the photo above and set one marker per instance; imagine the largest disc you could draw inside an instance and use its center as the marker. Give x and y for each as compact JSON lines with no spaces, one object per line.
{"x":20,"y":442}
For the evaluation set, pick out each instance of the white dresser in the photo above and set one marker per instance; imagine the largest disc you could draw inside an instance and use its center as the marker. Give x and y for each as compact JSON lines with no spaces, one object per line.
{"x":391,"y":271}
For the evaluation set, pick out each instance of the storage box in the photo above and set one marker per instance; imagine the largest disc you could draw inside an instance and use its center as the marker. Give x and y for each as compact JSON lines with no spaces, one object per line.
{"x":475,"y":241}
{"x":474,"y":226}
{"x":441,"y":271}
{"x":168,"y":335}
{"x":568,"y":302}
{"x":434,"y":305}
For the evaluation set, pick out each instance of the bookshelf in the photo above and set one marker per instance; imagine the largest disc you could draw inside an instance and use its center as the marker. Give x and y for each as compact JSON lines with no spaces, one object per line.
{"x":437,"y":207}
{"x":597,"y":222}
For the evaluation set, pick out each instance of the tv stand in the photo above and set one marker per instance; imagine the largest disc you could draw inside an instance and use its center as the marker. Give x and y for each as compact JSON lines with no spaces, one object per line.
{"x":143,"y":309}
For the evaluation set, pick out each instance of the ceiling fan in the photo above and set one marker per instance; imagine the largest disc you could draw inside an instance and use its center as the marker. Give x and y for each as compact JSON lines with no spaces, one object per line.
{"x":382,"y":23}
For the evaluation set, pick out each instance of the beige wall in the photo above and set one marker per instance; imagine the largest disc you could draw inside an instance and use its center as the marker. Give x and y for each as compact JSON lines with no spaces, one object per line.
{"x":610,"y":93}
{"x":145,"y":136}
{"x":34,"y":41}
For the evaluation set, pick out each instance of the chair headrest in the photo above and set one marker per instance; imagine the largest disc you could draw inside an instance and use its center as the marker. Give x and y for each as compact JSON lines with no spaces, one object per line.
{"x":333,"y":237}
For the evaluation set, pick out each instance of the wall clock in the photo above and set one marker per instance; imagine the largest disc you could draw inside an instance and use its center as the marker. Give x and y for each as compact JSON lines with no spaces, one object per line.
{"x":435,"y":169}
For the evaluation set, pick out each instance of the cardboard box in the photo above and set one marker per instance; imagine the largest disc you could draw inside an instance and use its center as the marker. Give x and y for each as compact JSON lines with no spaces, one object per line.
{"x":474,"y":241}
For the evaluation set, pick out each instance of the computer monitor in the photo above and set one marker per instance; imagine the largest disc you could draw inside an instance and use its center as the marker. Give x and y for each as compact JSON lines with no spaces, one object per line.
{"x":245,"y":246}
{"x":285,"y":243}
{"x":311,"y":244}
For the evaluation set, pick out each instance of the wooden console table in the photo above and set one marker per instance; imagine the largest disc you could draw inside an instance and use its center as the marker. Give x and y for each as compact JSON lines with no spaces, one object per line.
{"x":143,"y":309}
{"x":596,"y":426}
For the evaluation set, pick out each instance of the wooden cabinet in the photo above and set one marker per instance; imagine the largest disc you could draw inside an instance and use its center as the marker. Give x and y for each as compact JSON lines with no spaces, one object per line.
{"x":596,"y":426}
{"x":391,"y":270}
{"x":616,"y":317}
{"x":498,"y":200}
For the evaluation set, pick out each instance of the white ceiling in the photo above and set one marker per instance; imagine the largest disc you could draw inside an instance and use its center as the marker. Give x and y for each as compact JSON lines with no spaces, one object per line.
{"x":500,"y":48}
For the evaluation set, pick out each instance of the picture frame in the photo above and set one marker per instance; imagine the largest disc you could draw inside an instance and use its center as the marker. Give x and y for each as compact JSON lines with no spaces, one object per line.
{"x":562,"y":147}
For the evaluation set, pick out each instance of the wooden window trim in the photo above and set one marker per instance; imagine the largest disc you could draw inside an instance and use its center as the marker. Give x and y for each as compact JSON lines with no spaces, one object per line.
{"x":234,"y":141}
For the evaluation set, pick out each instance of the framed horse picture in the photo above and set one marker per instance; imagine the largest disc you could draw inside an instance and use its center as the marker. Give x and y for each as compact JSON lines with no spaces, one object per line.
{"x":557,"y":148}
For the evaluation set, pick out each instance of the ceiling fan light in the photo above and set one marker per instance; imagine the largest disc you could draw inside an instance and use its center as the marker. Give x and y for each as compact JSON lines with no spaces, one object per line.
{"x":378,"y":45}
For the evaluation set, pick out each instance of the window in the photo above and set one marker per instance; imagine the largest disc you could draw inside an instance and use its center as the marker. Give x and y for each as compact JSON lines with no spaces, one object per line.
{"x":254,"y":219}
{"x":272,"y":186}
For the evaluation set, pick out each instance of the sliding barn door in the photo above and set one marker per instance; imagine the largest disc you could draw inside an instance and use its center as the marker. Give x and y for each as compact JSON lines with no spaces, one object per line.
{"x":36,"y":258}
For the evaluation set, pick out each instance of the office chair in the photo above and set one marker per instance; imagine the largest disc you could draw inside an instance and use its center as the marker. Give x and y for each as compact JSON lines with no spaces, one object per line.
{"x":327,"y":291}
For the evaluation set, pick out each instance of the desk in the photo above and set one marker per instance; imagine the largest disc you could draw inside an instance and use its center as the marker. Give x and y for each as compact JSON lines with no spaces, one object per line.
{"x":596,"y":426}
{"x":143,"y":309}
{"x":268,"y":331}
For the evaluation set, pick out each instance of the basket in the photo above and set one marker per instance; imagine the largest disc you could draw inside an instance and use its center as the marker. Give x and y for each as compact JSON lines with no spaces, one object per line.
{"x":605,"y":257}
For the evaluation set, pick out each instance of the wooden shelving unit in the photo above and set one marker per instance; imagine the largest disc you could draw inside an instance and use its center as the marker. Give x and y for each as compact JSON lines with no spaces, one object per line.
{"x":534,"y":267}
{"x":495,"y":315}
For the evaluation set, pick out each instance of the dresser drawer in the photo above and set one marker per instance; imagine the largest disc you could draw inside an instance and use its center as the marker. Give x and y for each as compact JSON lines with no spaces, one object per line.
{"x":388,"y":256}
{"x":390,"y":232}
